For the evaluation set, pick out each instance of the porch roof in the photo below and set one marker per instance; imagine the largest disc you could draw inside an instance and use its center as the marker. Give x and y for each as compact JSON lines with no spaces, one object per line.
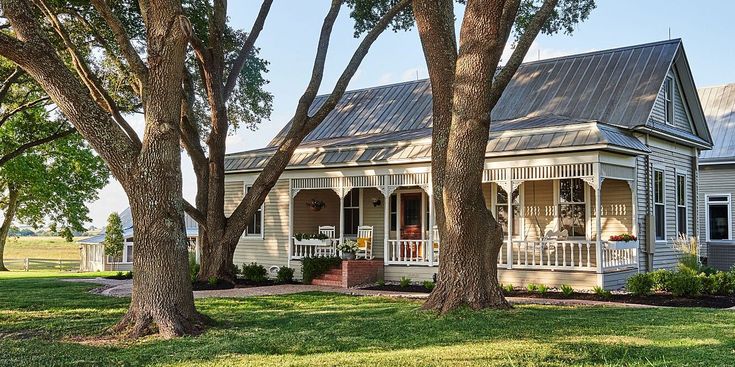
{"x":528,"y":135}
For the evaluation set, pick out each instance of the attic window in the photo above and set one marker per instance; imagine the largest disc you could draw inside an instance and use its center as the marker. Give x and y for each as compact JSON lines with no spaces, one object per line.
{"x":668,"y":101}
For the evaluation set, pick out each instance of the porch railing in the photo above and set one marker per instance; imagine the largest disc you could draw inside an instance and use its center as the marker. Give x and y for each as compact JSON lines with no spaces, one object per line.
{"x":616,"y":259}
{"x":411,"y":252}
{"x":302,"y":249}
{"x":553,"y":254}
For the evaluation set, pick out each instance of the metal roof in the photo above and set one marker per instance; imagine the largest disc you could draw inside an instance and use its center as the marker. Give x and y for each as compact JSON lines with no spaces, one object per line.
{"x":126,"y":220}
{"x":536,"y":134}
{"x":719,"y":109}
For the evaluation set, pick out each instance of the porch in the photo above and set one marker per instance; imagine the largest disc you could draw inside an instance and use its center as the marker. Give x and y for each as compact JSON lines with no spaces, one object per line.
{"x":551,"y":216}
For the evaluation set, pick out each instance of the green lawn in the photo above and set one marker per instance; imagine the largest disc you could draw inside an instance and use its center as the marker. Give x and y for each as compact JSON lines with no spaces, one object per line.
{"x":47,"y":322}
{"x":41,"y":248}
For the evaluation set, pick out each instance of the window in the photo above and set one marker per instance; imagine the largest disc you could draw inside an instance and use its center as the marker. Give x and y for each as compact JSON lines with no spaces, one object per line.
{"x":393,"y":212}
{"x":718,"y":217}
{"x":681,"y":208}
{"x":128,"y":251}
{"x":255,"y":225}
{"x":658,"y":203}
{"x":668,"y":101}
{"x":572,"y":207}
{"x":501,"y":209}
{"x":351,"y":212}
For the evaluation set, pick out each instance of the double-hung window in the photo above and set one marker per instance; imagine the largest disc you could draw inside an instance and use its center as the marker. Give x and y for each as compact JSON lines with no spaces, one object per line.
{"x":351,"y":212}
{"x":501,"y":209}
{"x":669,"y":100}
{"x":718,"y":217}
{"x":681,"y":207}
{"x":659,"y":206}
{"x":572,"y":207}
{"x":255,"y":224}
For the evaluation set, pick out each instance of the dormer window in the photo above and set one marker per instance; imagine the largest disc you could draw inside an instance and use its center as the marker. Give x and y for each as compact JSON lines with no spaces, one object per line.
{"x":668,"y":100}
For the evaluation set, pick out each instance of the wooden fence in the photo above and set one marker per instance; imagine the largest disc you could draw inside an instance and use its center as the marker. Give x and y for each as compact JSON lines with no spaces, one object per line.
{"x":28,"y":264}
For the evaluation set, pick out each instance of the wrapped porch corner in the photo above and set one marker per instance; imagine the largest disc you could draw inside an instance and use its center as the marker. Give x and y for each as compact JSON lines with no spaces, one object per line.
{"x":553,"y":233}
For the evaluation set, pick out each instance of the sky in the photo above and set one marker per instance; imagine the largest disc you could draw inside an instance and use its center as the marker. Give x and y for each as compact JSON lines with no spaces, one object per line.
{"x":289,"y":38}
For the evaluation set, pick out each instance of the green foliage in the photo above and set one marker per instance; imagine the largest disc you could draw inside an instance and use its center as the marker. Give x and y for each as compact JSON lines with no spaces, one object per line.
{"x":366,"y":13}
{"x":284,"y":275}
{"x":114,"y":241}
{"x":601,"y":292}
{"x":193,"y":267}
{"x":661,"y":280}
{"x":428,"y":284}
{"x":543,"y":289}
{"x":212,"y":280}
{"x":310,"y":236}
{"x":567,"y":290}
{"x":685,"y":283}
{"x":640,"y":284}
{"x":532,"y":287}
{"x":313,"y":267}
{"x":67,"y":235}
{"x":567,"y":14}
{"x":721,"y":283}
{"x":404,"y":282}
{"x":254,"y":272}
{"x":380,"y":282}
{"x":508,"y":288}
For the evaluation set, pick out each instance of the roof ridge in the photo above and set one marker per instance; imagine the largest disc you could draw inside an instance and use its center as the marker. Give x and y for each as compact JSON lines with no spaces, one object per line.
{"x":608,"y":50}
{"x":723,"y":85}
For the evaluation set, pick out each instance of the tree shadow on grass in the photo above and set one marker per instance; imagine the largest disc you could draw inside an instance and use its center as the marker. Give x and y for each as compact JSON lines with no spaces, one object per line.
{"x":324,"y":327}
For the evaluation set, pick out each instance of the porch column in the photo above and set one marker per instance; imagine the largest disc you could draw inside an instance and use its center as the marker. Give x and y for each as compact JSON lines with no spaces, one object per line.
{"x":509,"y":192}
{"x":598,"y":221}
{"x":341,"y":195}
{"x":386,"y":218}
{"x":291,"y":196}
{"x":430,"y":248}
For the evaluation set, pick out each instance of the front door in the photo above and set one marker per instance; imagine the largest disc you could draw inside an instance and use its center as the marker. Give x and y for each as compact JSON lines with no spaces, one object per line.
{"x":411,"y":216}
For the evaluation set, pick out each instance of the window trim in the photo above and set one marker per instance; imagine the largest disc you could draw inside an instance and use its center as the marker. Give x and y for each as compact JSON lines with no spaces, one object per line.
{"x":521,"y":202}
{"x":260,"y":235}
{"x":358,"y":207}
{"x":663,"y":202}
{"x":729,"y":216}
{"x":684,"y":205}
{"x":669,"y":102}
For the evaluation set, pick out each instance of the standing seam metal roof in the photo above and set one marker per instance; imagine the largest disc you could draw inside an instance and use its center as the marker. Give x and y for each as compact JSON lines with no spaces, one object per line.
{"x":719,"y":109}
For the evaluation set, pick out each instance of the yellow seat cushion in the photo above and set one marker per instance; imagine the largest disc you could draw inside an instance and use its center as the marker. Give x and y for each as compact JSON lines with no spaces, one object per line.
{"x":363,"y":243}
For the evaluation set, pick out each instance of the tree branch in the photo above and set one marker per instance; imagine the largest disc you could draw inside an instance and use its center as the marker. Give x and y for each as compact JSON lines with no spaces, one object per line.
{"x":247,"y":47}
{"x":32,"y":144}
{"x":131,"y":56}
{"x":519,"y":53}
{"x":195,"y":214}
{"x":12,"y":78}
{"x":25,"y":106}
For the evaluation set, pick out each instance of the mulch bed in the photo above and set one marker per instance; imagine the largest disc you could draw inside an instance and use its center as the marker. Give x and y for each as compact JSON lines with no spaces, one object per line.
{"x":119,"y":277}
{"x":239,"y":283}
{"x":656,"y":299}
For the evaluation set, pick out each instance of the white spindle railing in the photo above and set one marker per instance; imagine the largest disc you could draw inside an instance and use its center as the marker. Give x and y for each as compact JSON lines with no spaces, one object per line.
{"x":573,"y":255}
{"x":615,"y":259}
{"x":410,"y":252}
{"x":313,"y":248}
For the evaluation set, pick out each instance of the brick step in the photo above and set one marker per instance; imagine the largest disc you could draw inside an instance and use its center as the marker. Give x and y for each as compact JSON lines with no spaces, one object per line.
{"x":335,"y":277}
{"x":334,"y":271}
{"x":327,"y":283}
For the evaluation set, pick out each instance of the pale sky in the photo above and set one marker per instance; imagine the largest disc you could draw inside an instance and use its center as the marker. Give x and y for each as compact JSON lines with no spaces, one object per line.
{"x":291,"y":31}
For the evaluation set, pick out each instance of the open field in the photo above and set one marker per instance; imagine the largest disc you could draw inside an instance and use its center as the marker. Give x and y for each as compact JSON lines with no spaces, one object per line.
{"x":41,"y":248}
{"x":48,"y":322}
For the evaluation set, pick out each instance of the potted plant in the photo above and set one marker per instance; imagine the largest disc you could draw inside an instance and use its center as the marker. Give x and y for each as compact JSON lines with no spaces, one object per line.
{"x":347,"y":249}
{"x":316,"y":205}
{"x":310,"y":239}
{"x":622,"y":242}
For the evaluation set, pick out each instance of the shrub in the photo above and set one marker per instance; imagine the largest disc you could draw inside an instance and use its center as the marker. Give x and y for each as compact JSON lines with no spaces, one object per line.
{"x":543,"y":289}
{"x":405,"y":282}
{"x":661,"y":280}
{"x":601,"y":292}
{"x":567,"y":290}
{"x":212,"y":280}
{"x":129,"y":275}
{"x":254,"y":272}
{"x":640,"y":284}
{"x":380,"y":282}
{"x":313,"y":267}
{"x":428,"y":284}
{"x":685,"y":283}
{"x":532,"y":287}
{"x":119,"y":274}
{"x":508,"y":288}
{"x":234,"y":270}
{"x":720,"y":283}
{"x":193,"y":268}
{"x":284,"y":275}
{"x":690,"y":261}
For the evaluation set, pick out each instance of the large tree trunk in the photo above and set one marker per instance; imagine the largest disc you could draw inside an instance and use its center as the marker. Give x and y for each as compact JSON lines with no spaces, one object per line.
{"x":9,"y":214}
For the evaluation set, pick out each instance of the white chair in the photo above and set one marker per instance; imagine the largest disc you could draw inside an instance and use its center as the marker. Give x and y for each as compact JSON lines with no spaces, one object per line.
{"x":435,"y":245}
{"x":329,"y":249}
{"x":364,"y":242}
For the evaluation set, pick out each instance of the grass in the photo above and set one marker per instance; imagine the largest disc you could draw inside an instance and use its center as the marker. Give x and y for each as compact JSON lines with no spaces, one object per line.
{"x":47,"y":322}
{"x":41,"y":248}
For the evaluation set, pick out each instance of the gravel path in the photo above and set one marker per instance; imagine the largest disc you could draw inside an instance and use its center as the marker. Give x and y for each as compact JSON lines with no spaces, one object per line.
{"x":123,"y":288}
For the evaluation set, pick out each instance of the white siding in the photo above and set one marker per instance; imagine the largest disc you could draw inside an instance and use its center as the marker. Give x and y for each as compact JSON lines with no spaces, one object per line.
{"x":681,"y":117}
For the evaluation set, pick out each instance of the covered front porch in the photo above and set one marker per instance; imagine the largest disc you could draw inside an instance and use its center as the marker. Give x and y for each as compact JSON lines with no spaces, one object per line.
{"x":551,"y":215}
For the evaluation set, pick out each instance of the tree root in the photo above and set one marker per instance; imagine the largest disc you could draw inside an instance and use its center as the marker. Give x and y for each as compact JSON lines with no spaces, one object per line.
{"x":166,"y":325}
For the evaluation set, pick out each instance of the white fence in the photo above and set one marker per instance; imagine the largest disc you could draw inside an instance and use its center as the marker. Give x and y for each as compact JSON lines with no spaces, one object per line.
{"x":28,"y":264}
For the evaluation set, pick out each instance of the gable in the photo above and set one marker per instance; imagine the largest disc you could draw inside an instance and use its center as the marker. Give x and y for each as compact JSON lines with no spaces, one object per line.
{"x":682,"y":118}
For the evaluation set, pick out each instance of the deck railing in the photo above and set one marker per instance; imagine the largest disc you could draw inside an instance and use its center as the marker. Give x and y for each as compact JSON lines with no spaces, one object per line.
{"x":313,"y":248}
{"x":551,"y":254}
{"x":411,"y":252}
{"x":617,"y":259}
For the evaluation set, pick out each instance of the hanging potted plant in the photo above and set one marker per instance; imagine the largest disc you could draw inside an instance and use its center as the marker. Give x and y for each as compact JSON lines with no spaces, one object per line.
{"x":316,"y":205}
{"x":622,"y":242}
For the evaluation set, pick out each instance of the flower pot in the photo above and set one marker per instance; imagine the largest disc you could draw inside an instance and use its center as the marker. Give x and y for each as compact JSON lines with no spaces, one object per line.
{"x":622,"y":245}
{"x":315,"y":208}
{"x":348,"y":256}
